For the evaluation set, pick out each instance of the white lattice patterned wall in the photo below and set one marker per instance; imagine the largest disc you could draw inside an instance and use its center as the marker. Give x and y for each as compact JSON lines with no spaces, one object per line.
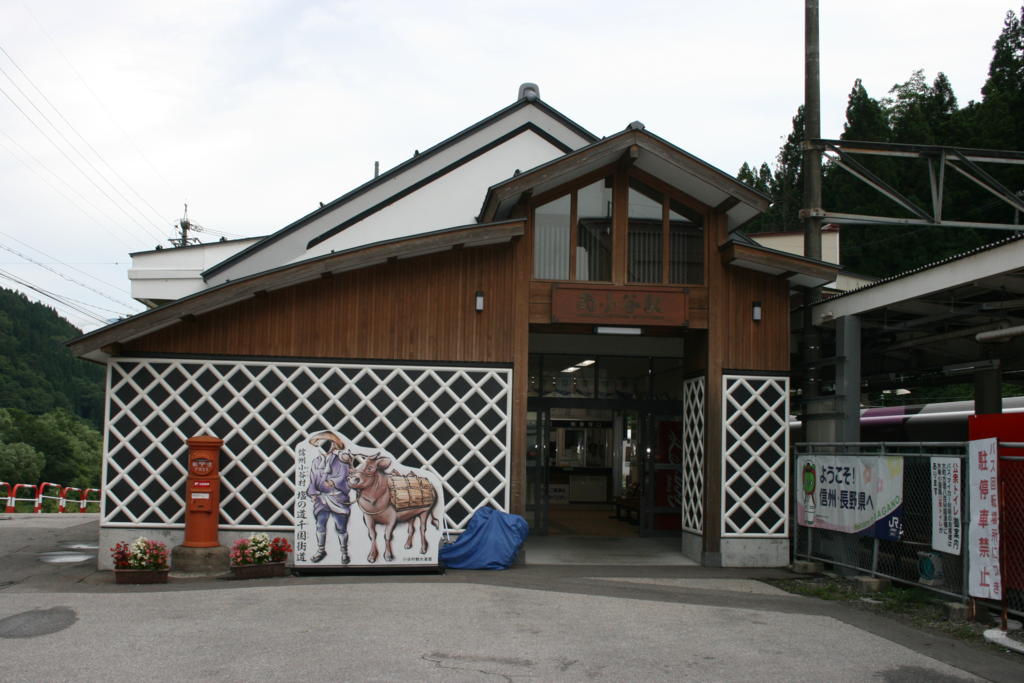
{"x":693,"y":455}
{"x":755,"y":446}
{"x":454,"y":420}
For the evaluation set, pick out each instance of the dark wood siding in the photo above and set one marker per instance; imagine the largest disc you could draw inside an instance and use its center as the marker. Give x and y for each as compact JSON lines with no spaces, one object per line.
{"x":751,"y":345}
{"x":419,"y":309}
{"x":736,"y":343}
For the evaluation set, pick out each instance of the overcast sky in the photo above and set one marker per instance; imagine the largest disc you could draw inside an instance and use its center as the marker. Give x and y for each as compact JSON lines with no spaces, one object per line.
{"x":254,"y":112}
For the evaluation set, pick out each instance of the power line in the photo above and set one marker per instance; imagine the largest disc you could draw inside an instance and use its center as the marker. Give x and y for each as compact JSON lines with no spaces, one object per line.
{"x":99,"y":101}
{"x":64,"y":263}
{"x":68,"y":278}
{"x":71,"y":161}
{"x":80,"y":137}
{"x":67,"y":299}
{"x":69,"y":186}
{"x":50,"y":295}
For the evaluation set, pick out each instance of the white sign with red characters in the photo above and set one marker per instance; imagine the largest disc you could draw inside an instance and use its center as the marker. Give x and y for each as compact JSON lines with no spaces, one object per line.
{"x":983,"y":534}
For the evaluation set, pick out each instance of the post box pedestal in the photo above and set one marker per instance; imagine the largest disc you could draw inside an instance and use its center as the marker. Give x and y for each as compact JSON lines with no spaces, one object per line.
{"x":187,"y":562}
{"x":201,"y":554}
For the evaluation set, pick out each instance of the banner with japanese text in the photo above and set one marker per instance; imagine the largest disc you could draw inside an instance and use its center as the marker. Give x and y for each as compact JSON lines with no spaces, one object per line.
{"x":852,"y":494}
{"x":983,"y":532}
{"x":946,"y":505}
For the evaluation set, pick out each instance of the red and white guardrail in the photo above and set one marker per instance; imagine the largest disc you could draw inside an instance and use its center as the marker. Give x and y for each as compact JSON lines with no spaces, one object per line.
{"x":40,"y":494}
{"x":36,"y":493}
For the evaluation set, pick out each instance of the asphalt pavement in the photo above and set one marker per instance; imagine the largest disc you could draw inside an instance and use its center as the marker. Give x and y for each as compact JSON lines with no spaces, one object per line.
{"x":61,"y":619}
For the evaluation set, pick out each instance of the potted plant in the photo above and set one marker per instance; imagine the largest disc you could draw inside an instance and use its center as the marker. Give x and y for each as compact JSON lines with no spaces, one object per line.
{"x":141,"y":561}
{"x":259,"y":556}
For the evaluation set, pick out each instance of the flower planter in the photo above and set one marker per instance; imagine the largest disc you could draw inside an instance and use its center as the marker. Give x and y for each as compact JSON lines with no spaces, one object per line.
{"x":258,"y":571}
{"x":139,"y":576}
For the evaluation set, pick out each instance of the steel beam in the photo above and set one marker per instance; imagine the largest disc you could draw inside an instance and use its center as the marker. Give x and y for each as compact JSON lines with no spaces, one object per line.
{"x":861,"y":219}
{"x":986,"y":181}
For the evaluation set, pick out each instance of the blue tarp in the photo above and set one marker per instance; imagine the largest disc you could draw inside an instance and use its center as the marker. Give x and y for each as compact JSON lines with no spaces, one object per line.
{"x":490,"y":541}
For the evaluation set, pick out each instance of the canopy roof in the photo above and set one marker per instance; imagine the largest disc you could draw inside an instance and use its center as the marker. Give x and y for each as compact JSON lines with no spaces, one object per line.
{"x":94,"y":346}
{"x":923,"y":325}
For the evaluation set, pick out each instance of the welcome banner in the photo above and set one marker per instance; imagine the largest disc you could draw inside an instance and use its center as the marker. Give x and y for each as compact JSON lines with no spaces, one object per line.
{"x":851,"y":494}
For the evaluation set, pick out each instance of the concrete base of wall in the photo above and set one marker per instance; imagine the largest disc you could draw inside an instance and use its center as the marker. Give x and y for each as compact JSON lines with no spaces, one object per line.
{"x":737,"y":552}
{"x":807,"y":567}
{"x":692,"y":546}
{"x":754,"y":552}
{"x":871,"y":584}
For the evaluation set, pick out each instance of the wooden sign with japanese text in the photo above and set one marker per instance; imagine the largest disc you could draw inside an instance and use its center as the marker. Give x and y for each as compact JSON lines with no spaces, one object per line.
{"x":617,"y":306}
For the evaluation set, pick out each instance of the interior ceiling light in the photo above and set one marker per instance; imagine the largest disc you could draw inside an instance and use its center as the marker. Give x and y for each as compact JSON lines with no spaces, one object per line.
{"x":602,"y":329}
{"x":571,"y":368}
{"x":585,"y":363}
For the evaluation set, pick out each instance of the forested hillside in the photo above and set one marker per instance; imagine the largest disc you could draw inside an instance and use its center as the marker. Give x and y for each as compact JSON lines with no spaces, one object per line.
{"x":37,"y":371}
{"x":51,"y":403}
{"x":913,"y":112}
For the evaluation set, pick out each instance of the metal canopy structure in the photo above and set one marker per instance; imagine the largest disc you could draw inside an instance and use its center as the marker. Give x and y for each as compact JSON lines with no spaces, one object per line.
{"x":963,"y":161}
{"x":938,"y":324}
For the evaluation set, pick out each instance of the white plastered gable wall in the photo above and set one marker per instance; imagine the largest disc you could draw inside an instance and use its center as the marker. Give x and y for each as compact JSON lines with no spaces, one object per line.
{"x":451,"y":199}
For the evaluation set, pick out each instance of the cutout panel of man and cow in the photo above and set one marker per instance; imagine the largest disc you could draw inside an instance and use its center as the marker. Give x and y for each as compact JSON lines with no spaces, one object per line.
{"x":351,"y":502}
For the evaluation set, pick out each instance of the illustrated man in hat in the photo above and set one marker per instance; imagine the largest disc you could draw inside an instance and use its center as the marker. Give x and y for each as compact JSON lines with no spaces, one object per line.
{"x":328,"y":488}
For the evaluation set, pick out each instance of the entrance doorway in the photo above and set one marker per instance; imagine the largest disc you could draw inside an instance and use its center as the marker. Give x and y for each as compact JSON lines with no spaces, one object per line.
{"x":604,"y":435}
{"x":608,"y":468}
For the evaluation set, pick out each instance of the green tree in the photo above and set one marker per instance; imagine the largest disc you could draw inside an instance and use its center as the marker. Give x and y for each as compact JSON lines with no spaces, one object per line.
{"x":784,"y":184}
{"x":866,"y":118}
{"x":1006,"y":70}
{"x":72,"y":448}
{"x":922,"y":114}
{"x":760,"y":180}
{"x":20,"y":463}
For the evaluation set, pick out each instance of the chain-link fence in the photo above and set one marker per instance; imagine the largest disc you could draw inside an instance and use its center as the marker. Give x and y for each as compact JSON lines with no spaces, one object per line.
{"x":888,"y":532}
{"x":1011,"y":523}
{"x":902,"y":511}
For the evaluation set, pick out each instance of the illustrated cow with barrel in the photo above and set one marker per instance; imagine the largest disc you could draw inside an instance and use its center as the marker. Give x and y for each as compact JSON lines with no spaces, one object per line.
{"x":389,"y":498}
{"x":386,"y":498}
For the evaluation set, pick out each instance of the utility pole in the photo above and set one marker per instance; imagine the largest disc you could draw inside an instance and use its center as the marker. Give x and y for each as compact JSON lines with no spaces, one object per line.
{"x":812,"y":131}
{"x":810,"y":338}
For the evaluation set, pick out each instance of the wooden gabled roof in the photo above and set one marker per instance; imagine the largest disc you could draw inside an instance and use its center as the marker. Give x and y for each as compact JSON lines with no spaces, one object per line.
{"x":650,"y":153}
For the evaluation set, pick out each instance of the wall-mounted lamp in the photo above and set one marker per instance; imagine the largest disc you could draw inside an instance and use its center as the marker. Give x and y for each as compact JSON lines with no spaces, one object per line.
{"x":756,"y":311}
{"x":479,"y":301}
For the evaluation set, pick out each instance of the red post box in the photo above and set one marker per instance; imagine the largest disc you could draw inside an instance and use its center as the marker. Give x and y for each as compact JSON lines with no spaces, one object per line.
{"x":202,"y":492}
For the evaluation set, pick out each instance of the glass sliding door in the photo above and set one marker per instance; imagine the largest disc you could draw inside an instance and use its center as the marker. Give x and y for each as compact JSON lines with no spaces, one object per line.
{"x":661,"y":450}
{"x":538,"y":429}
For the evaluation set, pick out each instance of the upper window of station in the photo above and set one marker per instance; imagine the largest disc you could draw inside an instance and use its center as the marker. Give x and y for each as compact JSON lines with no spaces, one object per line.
{"x":666,"y":243}
{"x":573,"y":235}
{"x":551,"y":239}
{"x":645,"y":233}
{"x":685,"y":246}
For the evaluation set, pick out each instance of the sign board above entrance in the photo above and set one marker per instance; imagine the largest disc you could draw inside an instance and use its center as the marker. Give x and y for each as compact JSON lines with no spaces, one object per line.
{"x":617,"y":306}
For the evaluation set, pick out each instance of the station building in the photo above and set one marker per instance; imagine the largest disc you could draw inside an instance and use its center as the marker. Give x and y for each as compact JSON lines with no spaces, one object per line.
{"x":561,"y":326}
